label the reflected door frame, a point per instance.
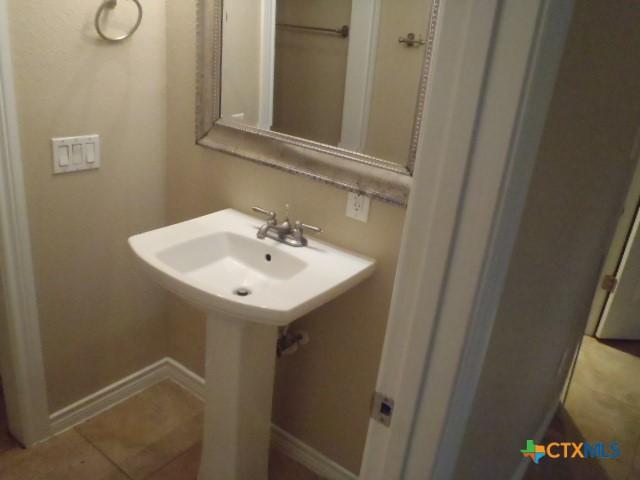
(267, 66)
(361, 58)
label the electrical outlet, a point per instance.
(358, 207)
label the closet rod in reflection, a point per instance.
(342, 31)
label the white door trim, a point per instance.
(267, 63)
(494, 70)
(20, 346)
(361, 61)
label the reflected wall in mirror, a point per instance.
(345, 73)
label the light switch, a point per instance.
(89, 153)
(76, 154)
(62, 153)
(73, 154)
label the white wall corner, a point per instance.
(20, 347)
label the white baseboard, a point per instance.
(108, 397)
(168, 368)
(539, 435)
(184, 377)
(307, 456)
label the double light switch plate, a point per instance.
(73, 154)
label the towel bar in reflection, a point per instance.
(342, 31)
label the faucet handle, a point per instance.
(298, 233)
(301, 227)
(271, 215)
(304, 226)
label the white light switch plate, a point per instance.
(358, 207)
(74, 154)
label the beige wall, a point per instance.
(310, 62)
(396, 79)
(100, 318)
(322, 394)
(578, 187)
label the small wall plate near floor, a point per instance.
(73, 154)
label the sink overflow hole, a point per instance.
(268, 257)
(242, 291)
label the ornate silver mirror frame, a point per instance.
(381, 179)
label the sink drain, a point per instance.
(242, 292)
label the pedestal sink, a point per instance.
(249, 288)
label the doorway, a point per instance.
(601, 403)
(613, 311)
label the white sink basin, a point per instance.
(206, 260)
(248, 287)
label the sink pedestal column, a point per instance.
(240, 371)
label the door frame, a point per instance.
(267, 62)
(21, 361)
(495, 65)
(361, 62)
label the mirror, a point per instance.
(313, 86)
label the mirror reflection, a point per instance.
(340, 72)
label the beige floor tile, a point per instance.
(174, 400)
(185, 467)
(65, 457)
(282, 467)
(152, 436)
(148, 431)
(635, 469)
(602, 418)
(592, 417)
(563, 428)
(571, 470)
(603, 405)
(610, 370)
(6, 440)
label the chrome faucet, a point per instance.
(286, 232)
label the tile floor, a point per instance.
(603, 405)
(154, 435)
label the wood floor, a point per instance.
(603, 405)
(154, 435)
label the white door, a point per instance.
(621, 315)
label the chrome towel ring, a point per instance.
(111, 4)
